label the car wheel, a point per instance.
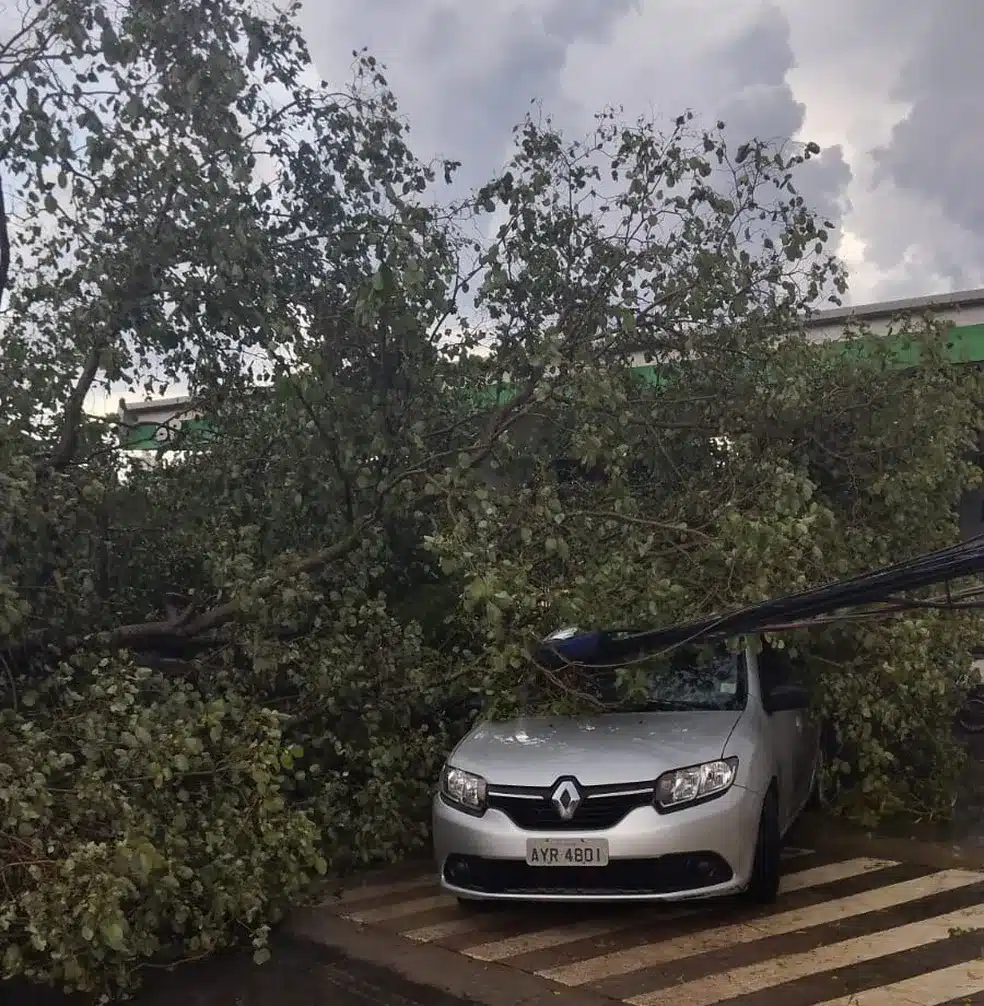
(763, 886)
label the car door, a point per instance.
(789, 728)
(807, 736)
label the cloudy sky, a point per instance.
(893, 90)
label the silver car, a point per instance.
(686, 795)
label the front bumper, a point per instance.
(702, 851)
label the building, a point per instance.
(152, 426)
(964, 311)
(156, 425)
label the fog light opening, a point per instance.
(457, 870)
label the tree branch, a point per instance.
(69, 440)
(68, 443)
(182, 627)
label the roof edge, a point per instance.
(889, 308)
(136, 408)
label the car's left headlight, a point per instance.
(467, 791)
(697, 782)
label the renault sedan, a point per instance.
(685, 793)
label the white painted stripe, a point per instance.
(832, 872)
(929, 989)
(792, 882)
(554, 938)
(366, 891)
(846, 953)
(441, 930)
(791, 852)
(402, 909)
(557, 936)
(621, 962)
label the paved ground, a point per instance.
(889, 922)
(849, 930)
(300, 973)
(880, 923)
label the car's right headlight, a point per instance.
(465, 790)
(684, 786)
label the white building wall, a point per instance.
(834, 329)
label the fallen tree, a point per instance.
(227, 672)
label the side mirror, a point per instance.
(785, 698)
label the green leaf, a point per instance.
(112, 934)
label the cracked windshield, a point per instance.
(692, 677)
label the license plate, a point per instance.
(566, 852)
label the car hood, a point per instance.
(597, 750)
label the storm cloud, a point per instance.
(888, 88)
(465, 74)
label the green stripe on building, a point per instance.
(965, 344)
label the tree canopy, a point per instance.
(431, 440)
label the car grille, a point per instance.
(670, 874)
(531, 809)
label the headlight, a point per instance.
(686, 785)
(464, 789)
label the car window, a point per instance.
(693, 677)
(776, 668)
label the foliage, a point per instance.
(234, 669)
(142, 818)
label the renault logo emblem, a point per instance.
(565, 800)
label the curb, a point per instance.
(490, 984)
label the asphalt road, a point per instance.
(299, 974)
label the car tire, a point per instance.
(763, 885)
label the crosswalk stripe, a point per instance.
(393, 906)
(557, 950)
(545, 939)
(556, 936)
(401, 909)
(441, 930)
(791, 852)
(364, 893)
(622, 962)
(767, 974)
(933, 988)
(832, 872)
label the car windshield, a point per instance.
(695, 677)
